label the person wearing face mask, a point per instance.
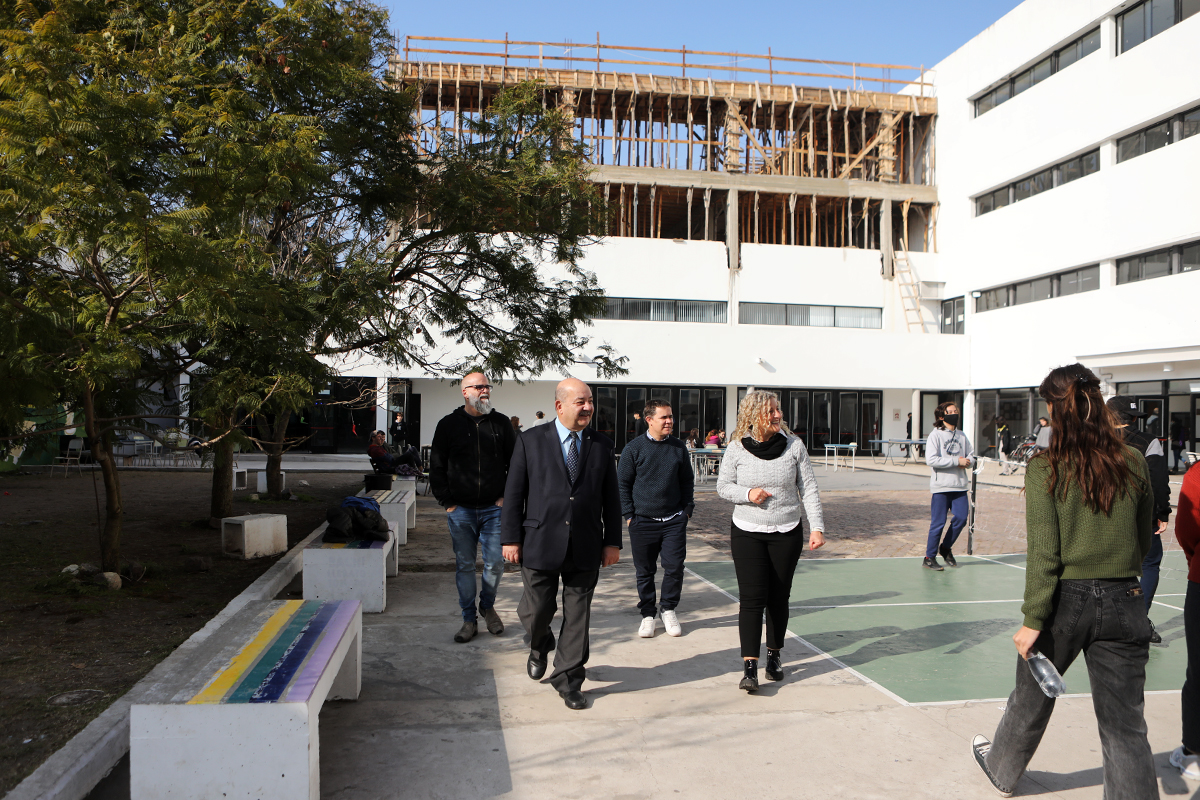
(948, 454)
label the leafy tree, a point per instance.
(234, 190)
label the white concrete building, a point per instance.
(1035, 191)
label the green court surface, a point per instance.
(930, 637)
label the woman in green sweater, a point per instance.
(1088, 509)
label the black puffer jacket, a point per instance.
(468, 463)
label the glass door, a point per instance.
(822, 420)
(848, 418)
(714, 414)
(872, 419)
(635, 402)
(687, 416)
(797, 414)
(1153, 423)
(605, 419)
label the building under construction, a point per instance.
(783, 191)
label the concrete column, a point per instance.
(1108, 154)
(885, 241)
(1108, 37)
(730, 409)
(731, 231)
(968, 417)
(918, 425)
(1108, 274)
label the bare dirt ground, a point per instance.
(58, 635)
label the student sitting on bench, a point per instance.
(407, 463)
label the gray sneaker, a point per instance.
(467, 632)
(494, 624)
(980, 746)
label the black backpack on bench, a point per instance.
(357, 518)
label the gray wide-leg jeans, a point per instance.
(1106, 621)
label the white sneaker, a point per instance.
(1188, 766)
(646, 629)
(671, 623)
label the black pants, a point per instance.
(648, 540)
(539, 602)
(1106, 621)
(1191, 687)
(764, 563)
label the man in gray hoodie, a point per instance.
(948, 454)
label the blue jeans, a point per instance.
(1150, 566)
(943, 502)
(474, 529)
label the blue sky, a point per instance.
(914, 32)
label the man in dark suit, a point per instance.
(561, 520)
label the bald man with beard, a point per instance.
(561, 521)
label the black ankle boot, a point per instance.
(749, 675)
(774, 668)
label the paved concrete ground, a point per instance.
(442, 720)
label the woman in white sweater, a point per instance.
(767, 475)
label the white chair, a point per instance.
(74, 451)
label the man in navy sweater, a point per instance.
(655, 481)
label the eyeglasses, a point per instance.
(483, 387)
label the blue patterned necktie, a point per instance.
(573, 457)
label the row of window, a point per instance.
(953, 316)
(1058, 60)
(1150, 18)
(651, 310)
(637, 308)
(811, 316)
(1161, 134)
(1085, 279)
(1069, 170)
(1170, 261)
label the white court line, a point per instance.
(1154, 602)
(865, 558)
(814, 648)
(1005, 699)
(890, 605)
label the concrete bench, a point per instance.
(254, 535)
(398, 504)
(245, 726)
(355, 570)
(240, 481)
(262, 481)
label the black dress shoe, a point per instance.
(535, 668)
(573, 699)
(749, 680)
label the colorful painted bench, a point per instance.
(398, 504)
(356, 570)
(245, 726)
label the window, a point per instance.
(1149, 19)
(1190, 259)
(1065, 172)
(1082, 280)
(1075, 281)
(952, 315)
(1034, 184)
(1190, 124)
(650, 310)
(1159, 263)
(1058, 60)
(809, 316)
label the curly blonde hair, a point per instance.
(752, 415)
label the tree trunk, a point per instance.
(110, 537)
(221, 503)
(275, 456)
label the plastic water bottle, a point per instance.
(1045, 674)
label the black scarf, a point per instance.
(769, 450)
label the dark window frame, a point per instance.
(953, 322)
(1176, 128)
(1051, 178)
(1027, 78)
(801, 312)
(617, 305)
(1143, 15)
(1134, 268)
(1034, 290)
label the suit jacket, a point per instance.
(543, 511)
